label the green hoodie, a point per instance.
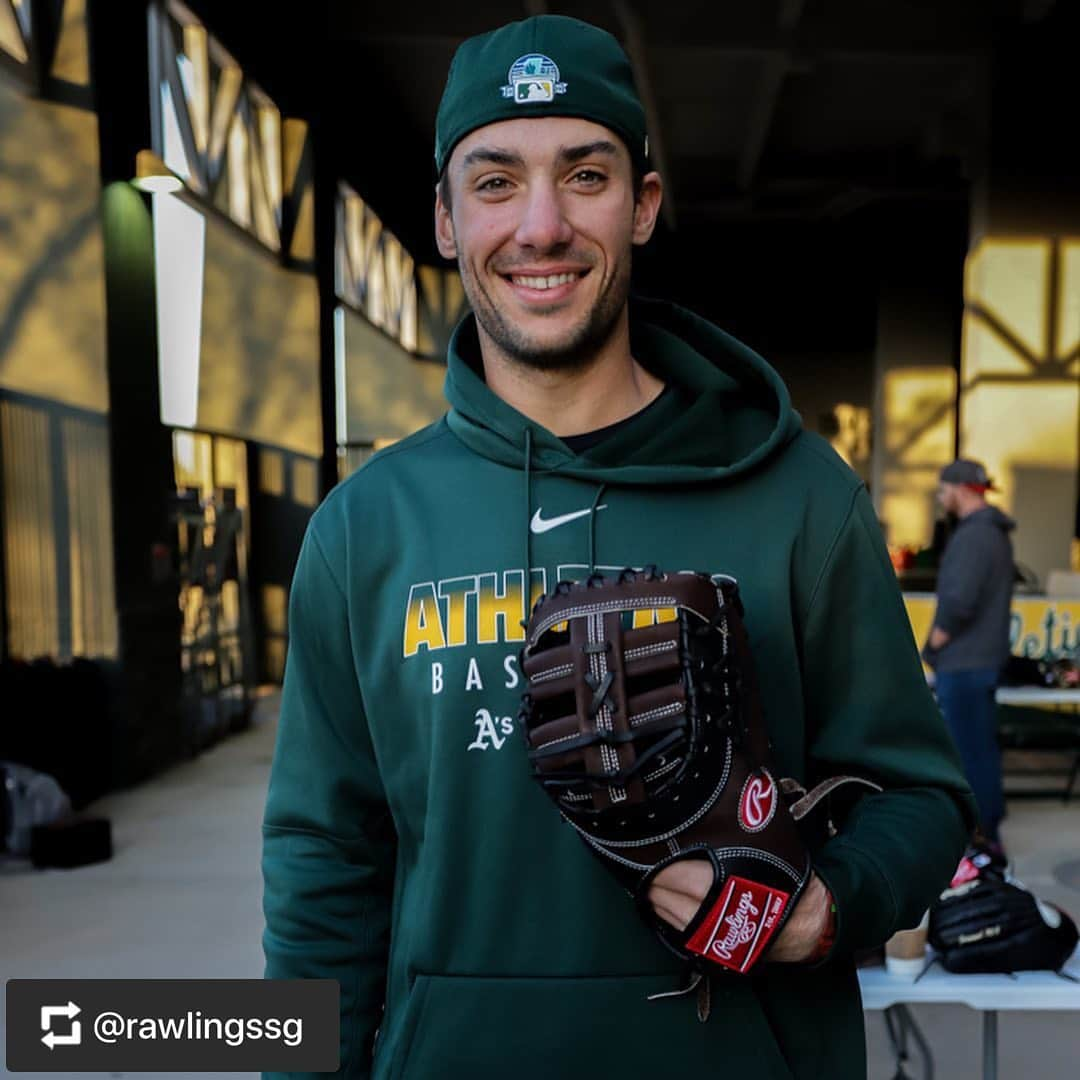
(407, 852)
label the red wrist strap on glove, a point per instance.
(828, 936)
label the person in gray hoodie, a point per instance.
(969, 638)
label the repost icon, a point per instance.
(182, 1026)
(50, 1038)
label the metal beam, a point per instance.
(1037, 10)
(630, 23)
(790, 14)
(771, 84)
(773, 77)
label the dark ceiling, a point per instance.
(798, 139)
(758, 108)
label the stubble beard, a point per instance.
(578, 347)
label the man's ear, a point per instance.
(647, 207)
(444, 228)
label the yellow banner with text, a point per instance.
(1041, 627)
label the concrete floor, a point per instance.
(181, 899)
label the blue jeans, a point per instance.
(967, 702)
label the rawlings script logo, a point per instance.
(739, 925)
(758, 802)
(740, 928)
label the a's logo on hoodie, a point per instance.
(491, 731)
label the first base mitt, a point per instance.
(986, 921)
(650, 741)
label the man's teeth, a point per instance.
(548, 282)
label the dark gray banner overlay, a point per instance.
(172, 1025)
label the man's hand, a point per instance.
(806, 927)
(678, 890)
(938, 638)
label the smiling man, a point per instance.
(407, 853)
(544, 220)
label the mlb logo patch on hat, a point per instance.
(600, 88)
(533, 78)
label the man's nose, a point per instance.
(543, 224)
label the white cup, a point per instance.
(905, 951)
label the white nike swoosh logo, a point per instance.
(539, 525)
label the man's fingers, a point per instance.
(692, 877)
(673, 907)
(677, 891)
(668, 916)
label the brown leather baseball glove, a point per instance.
(650, 740)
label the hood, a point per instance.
(732, 414)
(989, 516)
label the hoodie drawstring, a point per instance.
(528, 525)
(592, 528)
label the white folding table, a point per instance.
(1037, 695)
(990, 994)
(1060, 700)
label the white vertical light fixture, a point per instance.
(179, 253)
(341, 405)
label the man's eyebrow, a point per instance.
(571, 154)
(492, 155)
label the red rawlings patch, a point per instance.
(757, 804)
(740, 924)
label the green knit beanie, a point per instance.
(548, 65)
